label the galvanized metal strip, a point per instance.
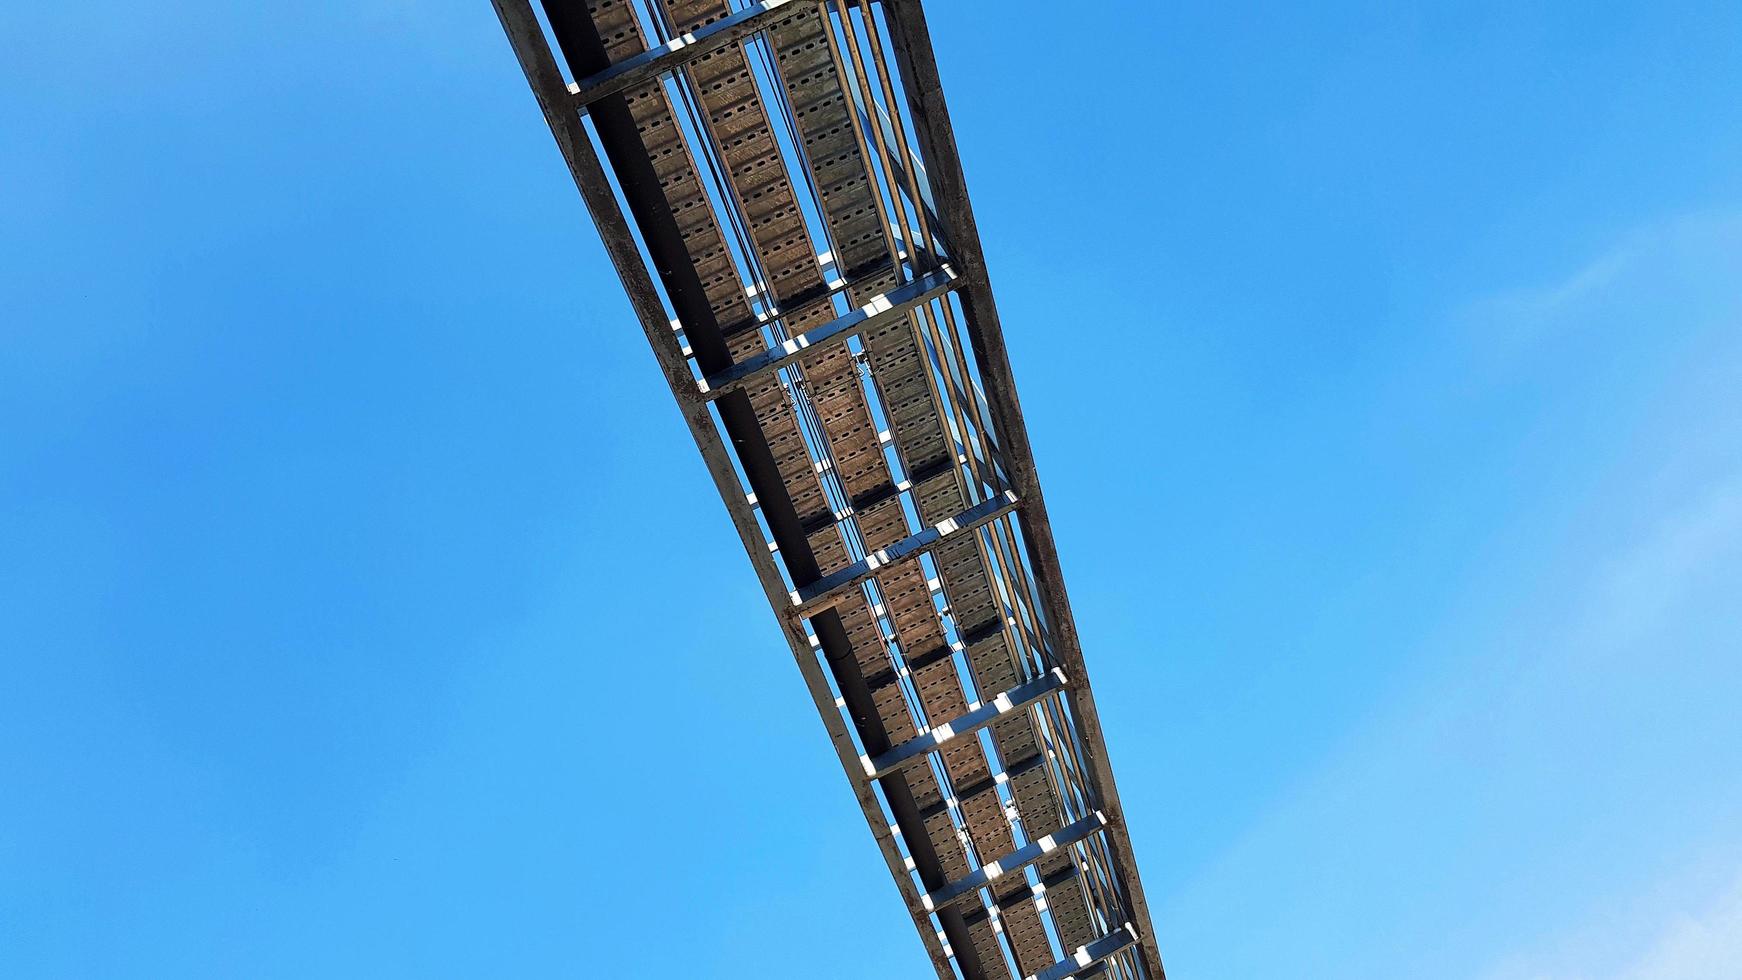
(1016, 860)
(545, 79)
(1111, 944)
(881, 308)
(920, 80)
(829, 589)
(679, 51)
(1013, 700)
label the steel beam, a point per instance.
(825, 592)
(1111, 944)
(546, 80)
(936, 135)
(1015, 699)
(987, 784)
(677, 52)
(599, 95)
(1024, 892)
(1016, 860)
(881, 309)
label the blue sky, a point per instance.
(1384, 365)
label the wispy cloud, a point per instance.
(1684, 929)
(1641, 585)
(1556, 745)
(1707, 946)
(1537, 304)
(1692, 260)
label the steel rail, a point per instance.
(1016, 860)
(924, 88)
(940, 735)
(970, 418)
(545, 78)
(880, 309)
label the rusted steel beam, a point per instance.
(924, 90)
(546, 80)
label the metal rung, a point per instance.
(828, 590)
(1016, 860)
(985, 784)
(876, 495)
(1114, 942)
(897, 302)
(679, 51)
(1015, 699)
(1023, 892)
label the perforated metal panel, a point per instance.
(779, 172)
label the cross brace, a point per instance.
(825, 592)
(1016, 860)
(1015, 699)
(677, 52)
(881, 309)
(1114, 942)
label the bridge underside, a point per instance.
(778, 186)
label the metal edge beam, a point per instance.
(879, 310)
(643, 192)
(825, 592)
(676, 53)
(924, 91)
(545, 78)
(1015, 699)
(1016, 860)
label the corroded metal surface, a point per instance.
(775, 179)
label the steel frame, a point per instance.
(542, 73)
(920, 746)
(676, 53)
(717, 412)
(883, 307)
(1088, 955)
(825, 591)
(1016, 860)
(924, 88)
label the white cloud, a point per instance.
(1513, 805)
(1681, 268)
(1685, 545)
(1700, 947)
(1684, 929)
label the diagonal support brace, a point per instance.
(881, 309)
(1015, 699)
(825, 592)
(1016, 860)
